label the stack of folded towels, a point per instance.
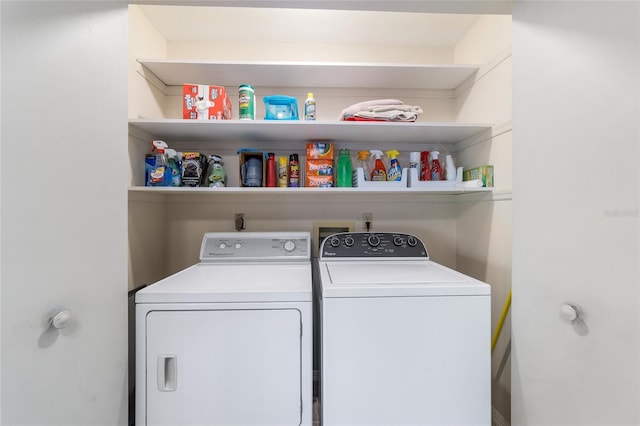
(381, 110)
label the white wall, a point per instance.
(576, 235)
(483, 227)
(63, 212)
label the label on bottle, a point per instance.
(378, 175)
(282, 172)
(310, 111)
(294, 171)
(246, 101)
(157, 176)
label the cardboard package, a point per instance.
(203, 102)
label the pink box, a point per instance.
(203, 102)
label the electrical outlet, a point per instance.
(239, 221)
(367, 221)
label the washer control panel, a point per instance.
(372, 244)
(258, 246)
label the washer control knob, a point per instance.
(373, 240)
(412, 241)
(569, 312)
(289, 246)
(223, 246)
(398, 240)
(348, 241)
(238, 245)
(334, 241)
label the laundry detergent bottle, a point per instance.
(379, 172)
(160, 174)
(436, 168)
(345, 169)
(395, 171)
(175, 167)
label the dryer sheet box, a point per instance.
(319, 165)
(204, 102)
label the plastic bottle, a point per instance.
(436, 169)
(414, 161)
(294, 171)
(395, 171)
(449, 168)
(363, 162)
(425, 168)
(160, 174)
(379, 172)
(271, 170)
(310, 107)
(282, 172)
(216, 175)
(345, 170)
(174, 162)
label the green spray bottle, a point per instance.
(216, 175)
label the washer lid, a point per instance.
(397, 278)
(239, 282)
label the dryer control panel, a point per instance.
(255, 246)
(372, 244)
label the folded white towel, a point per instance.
(407, 108)
(363, 106)
(391, 115)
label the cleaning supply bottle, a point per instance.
(363, 162)
(160, 174)
(379, 172)
(345, 170)
(414, 160)
(449, 168)
(395, 171)
(271, 170)
(216, 176)
(425, 168)
(282, 172)
(436, 169)
(310, 107)
(175, 167)
(294, 171)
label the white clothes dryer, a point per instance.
(404, 340)
(228, 341)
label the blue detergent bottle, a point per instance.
(160, 173)
(395, 171)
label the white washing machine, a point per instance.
(228, 341)
(404, 340)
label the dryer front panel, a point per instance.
(224, 367)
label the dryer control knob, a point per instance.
(373, 240)
(334, 241)
(289, 245)
(412, 241)
(398, 241)
(349, 241)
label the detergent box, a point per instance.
(203, 102)
(320, 151)
(484, 173)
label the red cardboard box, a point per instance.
(203, 102)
